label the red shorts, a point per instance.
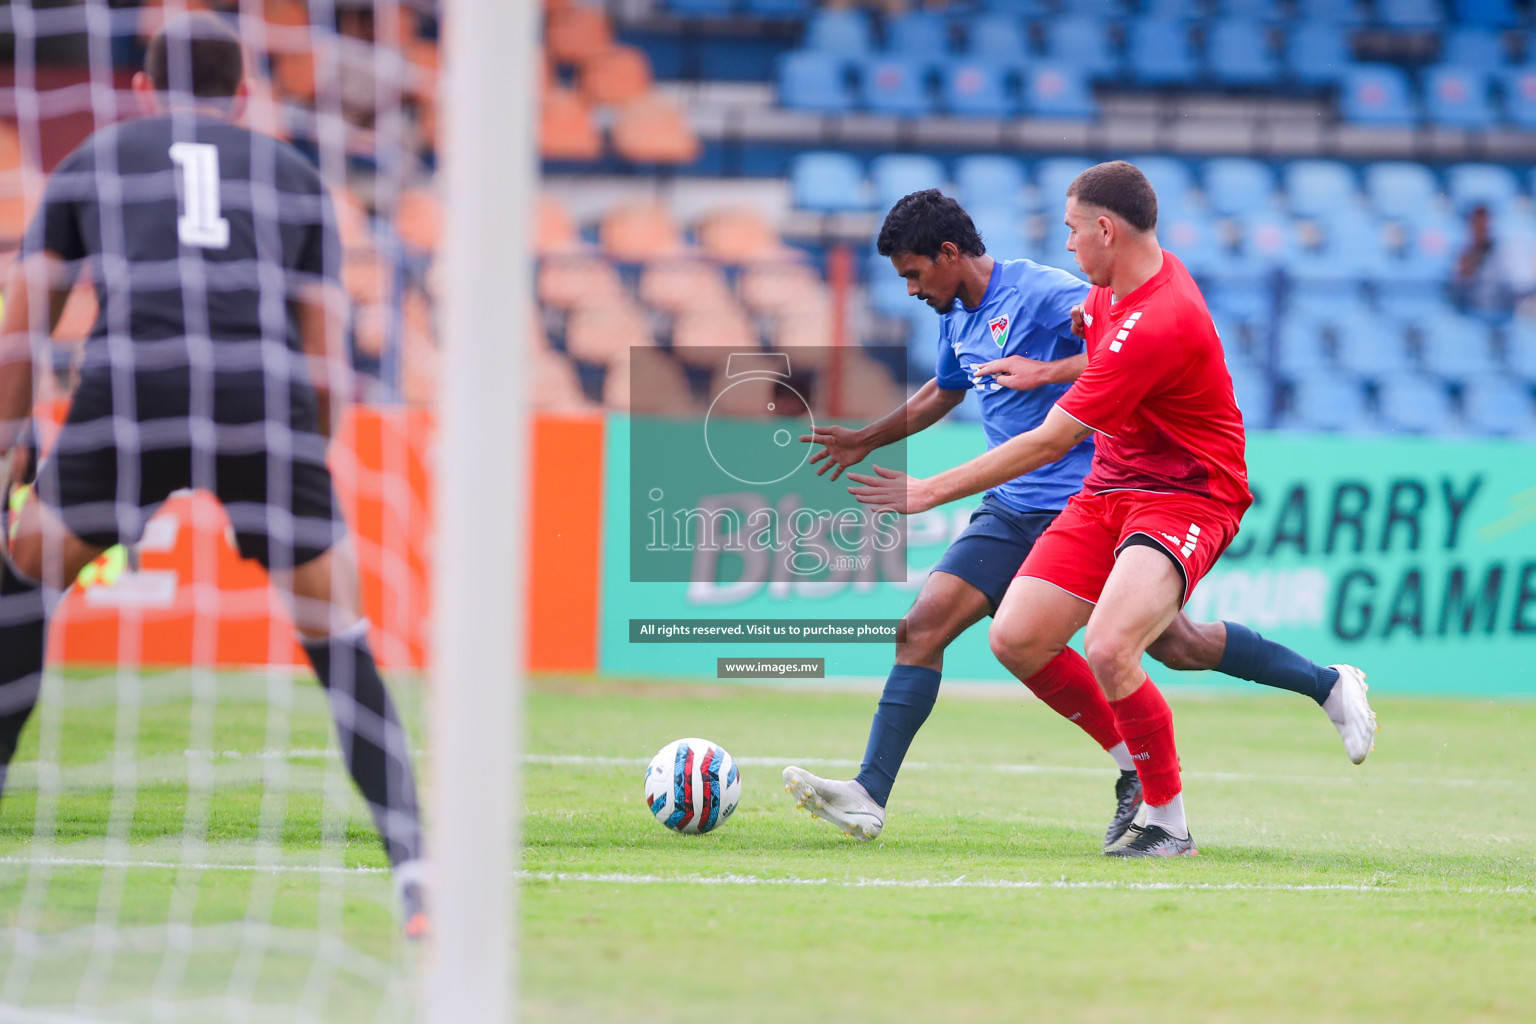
(1079, 550)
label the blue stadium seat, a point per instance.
(1438, 239)
(1174, 10)
(1159, 52)
(1052, 176)
(894, 85)
(828, 182)
(1189, 235)
(1411, 401)
(1259, 10)
(978, 88)
(1237, 52)
(1520, 349)
(1495, 404)
(989, 180)
(1419, 14)
(1324, 401)
(887, 292)
(1002, 230)
(1171, 178)
(780, 8)
(997, 37)
(1317, 53)
(1255, 395)
(1520, 96)
(812, 80)
(1492, 13)
(1302, 346)
(1454, 346)
(1472, 46)
(1368, 344)
(893, 175)
(1106, 10)
(1401, 189)
(1269, 239)
(1317, 188)
(918, 32)
(1238, 289)
(1331, 12)
(1052, 90)
(842, 30)
(1459, 97)
(701, 8)
(1489, 184)
(1377, 94)
(1081, 43)
(1236, 185)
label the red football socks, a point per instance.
(1147, 725)
(1067, 687)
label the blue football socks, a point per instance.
(1249, 656)
(910, 691)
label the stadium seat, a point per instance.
(1368, 344)
(1400, 189)
(1002, 231)
(1458, 97)
(1235, 185)
(1171, 179)
(1052, 177)
(1492, 13)
(1495, 404)
(1324, 401)
(1302, 346)
(1174, 10)
(740, 235)
(664, 391)
(566, 129)
(1255, 395)
(1189, 235)
(1052, 90)
(698, 335)
(1237, 52)
(419, 219)
(638, 232)
(998, 37)
(566, 282)
(1317, 188)
(771, 288)
(840, 30)
(780, 8)
(1082, 44)
(1410, 14)
(554, 230)
(1470, 46)
(977, 88)
(599, 334)
(702, 8)
(1160, 52)
(1520, 349)
(652, 130)
(828, 182)
(1377, 94)
(1317, 53)
(812, 80)
(893, 175)
(894, 85)
(1413, 402)
(1454, 346)
(918, 33)
(556, 386)
(1330, 12)
(887, 293)
(679, 285)
(989, 180)
(1520, 96)
(1487, 184)
(1257, 10)
(1105, 10)
(1269, 238)
(616, 75)
(575, 33)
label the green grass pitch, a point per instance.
(1401, 890)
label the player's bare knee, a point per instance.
(1111, 655)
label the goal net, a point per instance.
(183, 836)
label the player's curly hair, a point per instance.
(195, 54)
(923, 221)
(1120, 188)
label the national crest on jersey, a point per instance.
(998, 325)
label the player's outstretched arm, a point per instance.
(1024, 374)
(844, 447)
(897, 492)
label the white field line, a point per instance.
(961, 882)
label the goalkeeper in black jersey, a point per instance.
(215, 259)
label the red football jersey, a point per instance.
(1158, 392)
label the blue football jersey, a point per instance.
(1025, 312)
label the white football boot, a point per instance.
(1350, 712)
(845, 804)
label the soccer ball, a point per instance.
(692, 785)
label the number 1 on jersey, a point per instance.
(200, 223)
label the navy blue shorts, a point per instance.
(988, 553)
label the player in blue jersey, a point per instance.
(1006, 332)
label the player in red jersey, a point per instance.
(1162, 501)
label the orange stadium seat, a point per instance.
(566, 129)
(351, 220)
(10, 147)
(639, 232)
(600, 334)
(617, 75)
(665, 390)
(652, 130)
(675, 286)
(425, 62)
(767, 288)
(556, 387)
(365, 277)
(566, 282)
(806, 334)
(419, 219)
(699, 335)
(287, 24)
(740, 235)
(554, 231)
(294, 76)
(866, 389)
(748, 397)
(574, 33)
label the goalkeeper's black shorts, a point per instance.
(114, 463)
